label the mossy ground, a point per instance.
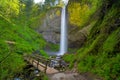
(15, 40)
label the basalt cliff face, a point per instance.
(50, 29)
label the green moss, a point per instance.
(100, 54)
(52, 47)
(14, 41)
(69, 58)
(43, 53)
(111, 41)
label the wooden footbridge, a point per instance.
(41, 63)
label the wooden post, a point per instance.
(32, 61)
(37, 64)
(46, 66)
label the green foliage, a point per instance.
(107, 67)
(10, 62)
(88, 62)
(9, 8)
(43, 53)
(53, 47)
(35, 19)
(99, 55)
(58, 13)
(92, 58)
(111, 41)
(69, 58)
(80, 12)
(45, 77)
(16, 40)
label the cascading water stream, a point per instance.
(63, 38)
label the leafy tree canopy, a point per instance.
(9, 7)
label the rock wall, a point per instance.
(50, 29)
(77, 37)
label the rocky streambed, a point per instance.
(29, 73)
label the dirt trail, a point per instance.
(66, 76)
(70, 75)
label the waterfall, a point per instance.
(63, 37)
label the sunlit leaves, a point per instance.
(58, 13)
(9, 7)
(80, 12)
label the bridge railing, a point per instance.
(57, 64)
(35, 58)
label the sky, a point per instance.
(37, 1)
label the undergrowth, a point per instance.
(16, 40)
(101, 53)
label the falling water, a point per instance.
(63, 41)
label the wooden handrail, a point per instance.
(38, 59)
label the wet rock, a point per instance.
(17, 79)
